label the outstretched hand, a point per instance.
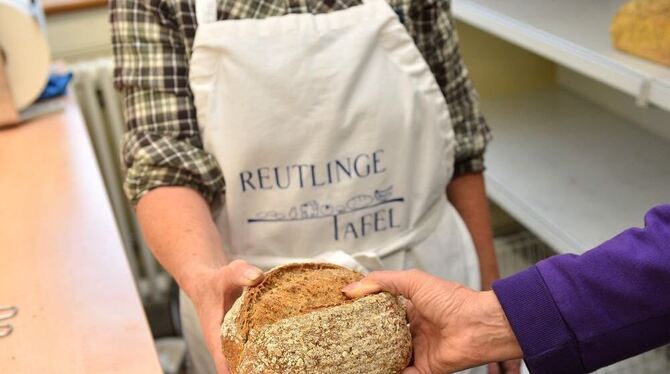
(453, 327)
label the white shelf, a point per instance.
(573, 33)
(572, 172)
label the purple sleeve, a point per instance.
(574, 314)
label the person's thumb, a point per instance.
(403, 283)
(241, 273)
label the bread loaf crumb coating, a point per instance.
(298, 321)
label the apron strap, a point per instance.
(205, 11)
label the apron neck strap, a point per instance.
(205, 11)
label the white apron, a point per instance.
(334, 140)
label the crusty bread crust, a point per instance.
(298, 321)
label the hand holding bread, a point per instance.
(217, 292)
(324, 318)
(453, 327)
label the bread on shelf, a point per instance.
(298, 321)
(642, 28)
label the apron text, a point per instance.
(380, 220)
(312, 175)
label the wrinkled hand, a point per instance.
(216, 292)
(505, 367)
(453, 327)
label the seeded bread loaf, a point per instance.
(642, 27)
(298, 321)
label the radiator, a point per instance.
(101, 107)
(517, 251)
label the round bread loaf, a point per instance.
(642, 27)
(298, 321)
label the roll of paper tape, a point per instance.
(25, 50)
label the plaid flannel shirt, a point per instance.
(152, 42)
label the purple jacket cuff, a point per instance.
(549, 346)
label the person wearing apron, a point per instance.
(335, 142)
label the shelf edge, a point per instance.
(559, 241)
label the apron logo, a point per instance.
(381, 219)
(351, 219)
